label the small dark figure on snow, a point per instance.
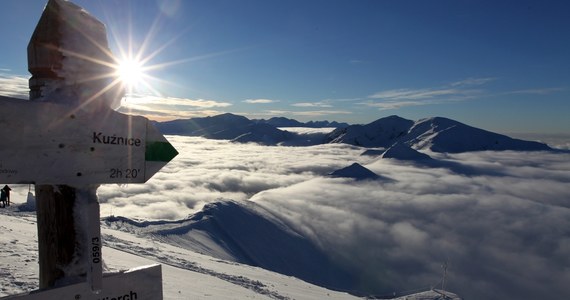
(5, 196)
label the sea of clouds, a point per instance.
(504, 232)
(501, 220)
(209, 170)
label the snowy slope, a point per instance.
(446, 135)
(186, 274)
(246, 233)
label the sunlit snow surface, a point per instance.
(186, 274)
(500, 219)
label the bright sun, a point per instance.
(130, 72)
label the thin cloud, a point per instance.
(168, 108)
(388, 105)
(276, 112)
(172, 101)
(417, 94)
(309, 113)
(260, 101)
(313, 104)
(166, 115)
(473, 81)
(399, 98)
(14, 85)
(539, 91)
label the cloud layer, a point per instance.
(504, 236)
(500, 219)
(208, 170)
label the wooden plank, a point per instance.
(143, 283)
(49, 143)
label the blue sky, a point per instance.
(498, 65)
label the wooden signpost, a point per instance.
(48, 143)
(67, 140)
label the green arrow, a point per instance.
(159, 151)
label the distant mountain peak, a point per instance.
(381, 133)
(402, 151)
(441, 134)
(226, 126)
(286, 122)
(355, 171)
(437, 134)
(229, 116)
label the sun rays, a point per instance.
(118, 65)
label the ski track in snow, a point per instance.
(134, 248)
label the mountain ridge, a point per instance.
(437, 134)
(287, 122)
(247, 233)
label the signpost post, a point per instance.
(67, 140)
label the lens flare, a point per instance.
(131, 72)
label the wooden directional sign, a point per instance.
(48, 143)
(143, 283)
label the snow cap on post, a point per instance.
(70, 61)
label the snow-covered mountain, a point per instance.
(246, 233)
(286, 122)
(280, 122)
(226, 127)
(243, 130)
(445, 135)
(402, 151)
(381, 133)
(326, 123)
(355, 171)
(436, 134)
